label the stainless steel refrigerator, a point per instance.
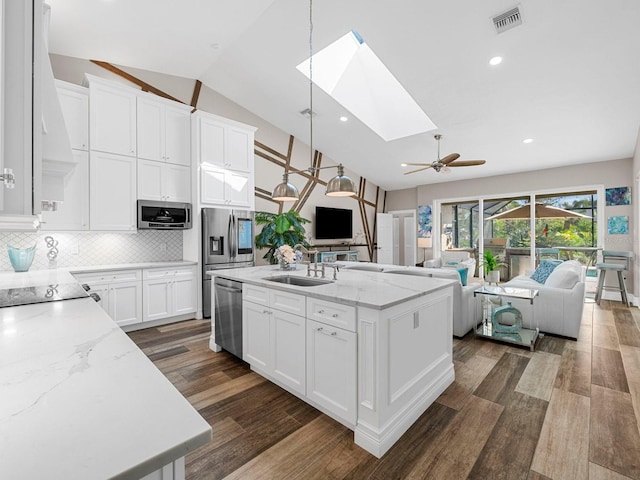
(227, 242)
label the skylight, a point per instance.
(351, 73)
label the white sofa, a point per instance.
(453, 257)
(466, 308)
(558, 307)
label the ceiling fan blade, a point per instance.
(467, 163)
(450, 158)
(423, 164)
(418, 170)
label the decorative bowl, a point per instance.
(21, 258)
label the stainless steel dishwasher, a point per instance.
(228, 315)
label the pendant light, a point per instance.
(338, 186)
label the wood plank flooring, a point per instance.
(570, 410)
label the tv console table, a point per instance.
(336, 255)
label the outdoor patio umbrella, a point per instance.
(542, 211)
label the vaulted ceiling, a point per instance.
(570, 76)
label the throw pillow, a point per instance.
(565, 276)
(544, 270)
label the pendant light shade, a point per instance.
(285, 191)
(341, 185)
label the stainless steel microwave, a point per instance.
(154, 215)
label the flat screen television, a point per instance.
(333, 223)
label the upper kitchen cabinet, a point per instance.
(74, 101)
(224, 159)
(223, 143)
(164, 130)
(112, 117)
(112, 192)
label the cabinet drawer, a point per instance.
(154, 273)
(287, 302)
(109, 276)
(255, 294)
(336, 314)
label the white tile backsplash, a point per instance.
(91, 248)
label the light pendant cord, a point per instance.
(311, 84)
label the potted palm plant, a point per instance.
(491, 264)
(279, 229)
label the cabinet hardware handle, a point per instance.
(333, 334)
(320, 312)
(335, 315)
(320, 329)
(265, 311)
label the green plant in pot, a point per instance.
(279, 229)
(491, 264)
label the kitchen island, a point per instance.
(372, 350)
(79, 398)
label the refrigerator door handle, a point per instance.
(230, 236)
(234, 233)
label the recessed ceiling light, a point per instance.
(403, 165)
(495, 61)
(343, 118)
(527, 140)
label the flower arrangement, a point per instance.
(287, 256)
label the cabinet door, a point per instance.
(73, 213)
(331, 369)
(212, 186)
(150, 175)
(112, 124)
(185, 292)
(125, 302)
(75, 110)
(288, 350)
(110, 174)
(157, 299)
(176, 183)
(212, 143)
(177, 135)
(239, 149)
(237, 189)
(150, 128)
(256, 336)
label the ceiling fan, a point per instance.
(443, 164)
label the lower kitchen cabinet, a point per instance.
(273, 339)
(331, 369)
(120, 293)
(169, 292)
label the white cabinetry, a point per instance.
(112, 189)
(224, 154)
(74, 101)
(169, 292)
(273, 325)
(225, 187)
(164, 130)
(163, 181)
(73, 213)
(112, 117)
(120, 293)
(331, 357)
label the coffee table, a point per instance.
(525, 337)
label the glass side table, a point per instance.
(525, 337)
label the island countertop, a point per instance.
(80, 400)
(353, 287)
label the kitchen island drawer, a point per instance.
(331, 313)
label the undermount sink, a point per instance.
(299, 281)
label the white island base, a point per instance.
(374, 357)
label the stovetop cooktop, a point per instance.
(12, 297)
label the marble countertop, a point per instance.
(79, 399)
(354, 287)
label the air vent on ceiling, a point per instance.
(306, 113)
(507, 20)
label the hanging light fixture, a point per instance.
(338, 186)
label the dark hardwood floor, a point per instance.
(571, 410)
